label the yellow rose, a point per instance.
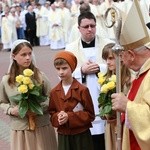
(23, 89)
(113, 78)
(19, 78)
(104, 88)
(28, 72)
(101, 80)
(26, 80)
(100, 74)
(111, 85)
(31, 85)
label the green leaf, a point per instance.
(102, 112)
(107, 109)
(35, 92)
(25, 96)
(102, 99)
(23, 108)
(41, 98)
(16, 98)
(35, 107)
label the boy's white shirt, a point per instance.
(66, 88)
(79, 106)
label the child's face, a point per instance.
(23, 57)
(64, 71)
(111, 62)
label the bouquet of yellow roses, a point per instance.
(29, 98)
(108, 87)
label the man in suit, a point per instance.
(30, 20)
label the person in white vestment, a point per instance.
(42, 25)
(56, 33)
(9, 33)
(47, 5)
(74, 11)
(66, 20)
(88, 50)
(95, 9)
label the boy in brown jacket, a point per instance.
(71, 106)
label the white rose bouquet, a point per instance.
(29, 98)
(108, 86)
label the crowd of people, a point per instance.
(72, 106)
(44, 23)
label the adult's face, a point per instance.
(87, 29)
(30, 8)
(129, 59)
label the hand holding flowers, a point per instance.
(108, 87)
(29, 98)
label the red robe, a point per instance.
(135, 86)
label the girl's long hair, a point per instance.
(125, 72)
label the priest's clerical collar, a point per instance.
(88, 44)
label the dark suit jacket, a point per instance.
(30, 20)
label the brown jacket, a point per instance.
(78, 121)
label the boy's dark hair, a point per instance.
(85, 15)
